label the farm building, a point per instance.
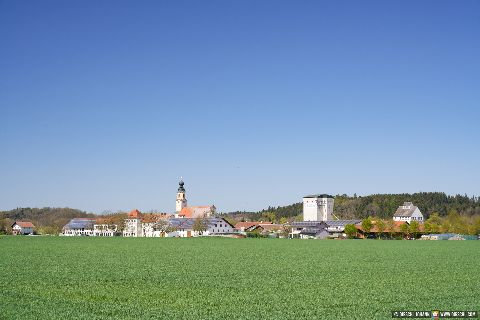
(263, 227)
(394, 230)
(308, 230)
(408, 213)
(319, 229)
(22, 227)
(89, 227)
(185, 227)
(79, 227)
(245, 226)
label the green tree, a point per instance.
(405, 230)
(433, 224)
(453, 222)
(200, 225)
(5, 226)
(283, 220)
(414, 228)
(367, 225)
(350, 230)
(381, 226)
(164, 227)
(270, 216)
(476, 225)
(391, 227)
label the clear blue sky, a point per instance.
(105, 104)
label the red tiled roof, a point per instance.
(186, 212)
(25, 224)
(134, 214)
(195, 211)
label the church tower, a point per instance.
(181, 199)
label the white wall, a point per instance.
(181, 201)
(220, 228)
(104, 230)
(310, 209)
(20, 230)
(416, 216)
(77, 232)
(318, 209)
(133, 228)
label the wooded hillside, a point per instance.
(46, 220)
(377, 205)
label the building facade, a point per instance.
(79, 227)
(318, 207)
(408, 213)
(187, 227)
(104, 230)
(133, 224)
(22, 227)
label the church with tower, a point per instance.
(184, 211)
(182, 224)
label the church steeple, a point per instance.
(181, 201)
(181, 188)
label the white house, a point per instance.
(318, 207)
(133, 224)
(408, 212)
(22, 227)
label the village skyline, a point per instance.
(253, 104)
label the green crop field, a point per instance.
(211, 278)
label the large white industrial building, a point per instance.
(318, 207)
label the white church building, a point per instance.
(182, 225)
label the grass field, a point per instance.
(209, 278)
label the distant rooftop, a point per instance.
(324, 195)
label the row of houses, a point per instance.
(150, 225)
(319, 222)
